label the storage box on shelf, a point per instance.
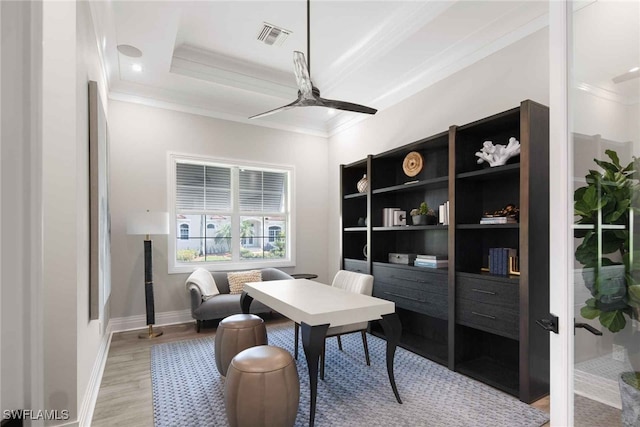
(479, 324)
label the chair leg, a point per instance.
(297, 334)
(322, 360)
(339, 343)
(198, 322)
(366, 347)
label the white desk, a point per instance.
(315, 307)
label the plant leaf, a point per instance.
(612, 320)
(634, 295)
(614, 158)
(589, 312)
(608, 167)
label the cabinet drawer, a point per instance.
(413, 278)
(499, 293)
(488, 317)
(431, 304)
(356, 265)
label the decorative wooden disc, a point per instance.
(412, 164)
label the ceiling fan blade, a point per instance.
(277, 110)
(302, 74)
(347, 106)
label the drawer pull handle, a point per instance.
(482, 291)
(484, 315)
(409, 279)
(405, 297)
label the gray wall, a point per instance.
(142, 136)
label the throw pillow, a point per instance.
(239, 278)
(204, 280)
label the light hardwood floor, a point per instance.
(125, 397)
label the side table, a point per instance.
(304, 276)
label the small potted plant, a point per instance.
(423, 215)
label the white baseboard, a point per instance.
(121, 324)
(91, 395)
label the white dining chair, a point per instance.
(352, 282)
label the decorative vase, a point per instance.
(363, 184)
(419, 219)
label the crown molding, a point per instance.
(207, 112)
(606, 94)
(201, 64)
(396, 28)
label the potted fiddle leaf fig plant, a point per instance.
(423, 215)
(605, 208)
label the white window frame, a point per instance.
(176, 267)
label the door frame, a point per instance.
(561, 299)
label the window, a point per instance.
(274, 233)
(229, 215)
(184, 231)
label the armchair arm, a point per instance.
(196, 297)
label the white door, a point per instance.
(595, 92)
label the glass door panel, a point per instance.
(604, 89)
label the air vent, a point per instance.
(271, 35)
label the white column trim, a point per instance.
(36, 284)
(1, 403)
(561, 301)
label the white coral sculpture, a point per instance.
(497, 155)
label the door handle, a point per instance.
(588, 327)
(550, 324)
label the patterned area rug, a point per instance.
(188, 390)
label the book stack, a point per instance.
(387, 216)
(443, 213)
(498, 220)
(499, 260)
(431, 261)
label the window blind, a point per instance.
(261, 191)
(202, 188)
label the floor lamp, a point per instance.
(148, 223)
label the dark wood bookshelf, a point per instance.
(471, 321)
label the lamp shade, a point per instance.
(148, 223)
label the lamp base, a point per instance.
(151, 334)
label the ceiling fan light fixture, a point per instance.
(308, 94)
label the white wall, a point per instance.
(494, 84)
(60, 205)
(14, 105)
(142, 136)
(90, 334)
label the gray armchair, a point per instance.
(226, 304)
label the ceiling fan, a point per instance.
(308, 94)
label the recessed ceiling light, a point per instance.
(331, 111)
(634, 69)
(128, 50)
(137, 68)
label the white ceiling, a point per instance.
(203, 56)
